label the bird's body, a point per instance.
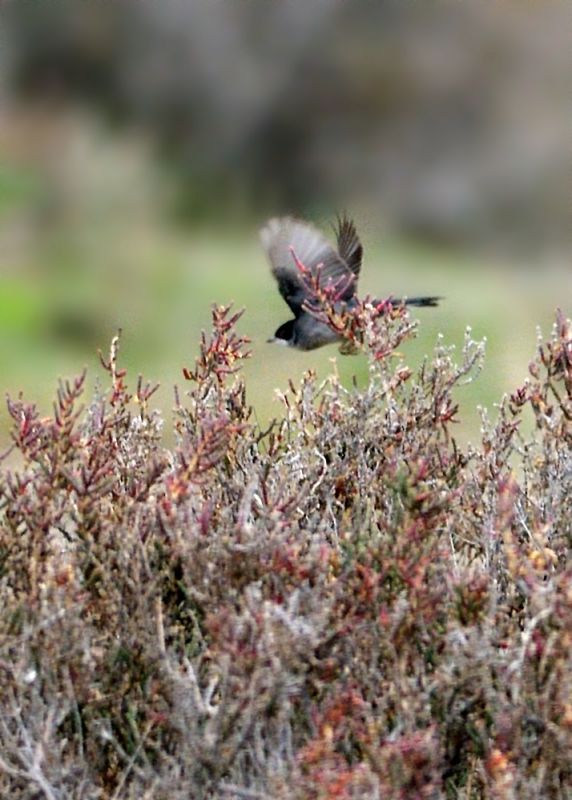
(285, 237)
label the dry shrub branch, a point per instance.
(347, 605)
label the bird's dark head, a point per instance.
(284, 334)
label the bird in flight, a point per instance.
(283, 238)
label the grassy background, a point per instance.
(67, 287)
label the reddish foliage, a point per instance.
(347, 605)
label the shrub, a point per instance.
(345, 605)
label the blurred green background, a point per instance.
(142, 145)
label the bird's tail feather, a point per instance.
(416, 301)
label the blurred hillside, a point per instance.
(448, 120)
(142, 144)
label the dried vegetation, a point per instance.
(347, 605)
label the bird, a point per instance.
(287, 240)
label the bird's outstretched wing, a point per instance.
(349, 245)
(282, 235)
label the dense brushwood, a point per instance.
(346, 605)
